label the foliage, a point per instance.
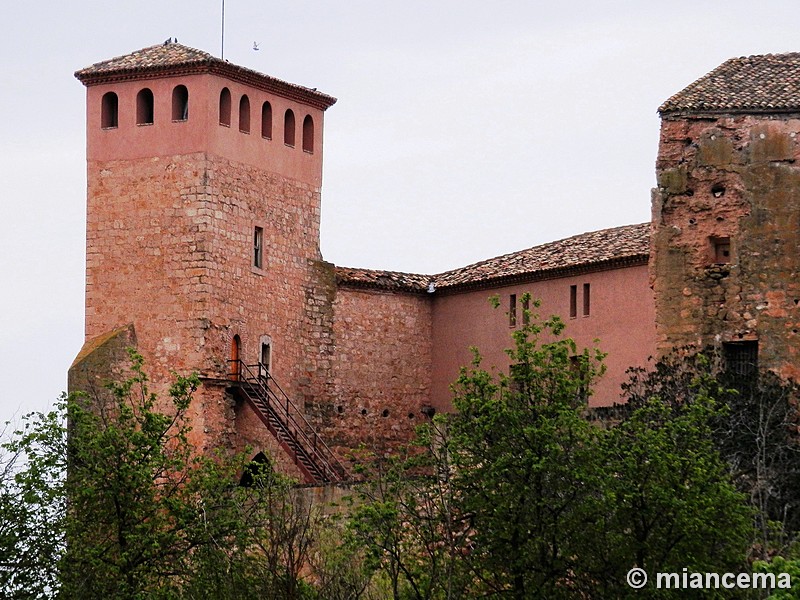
(405, 517)
(778, 565)
(667, 500)
(545, 504)
(120, 505)
(32, 506)
(526, 462)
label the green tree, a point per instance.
(32, 506)
(120, 505)
(667, 501)
(526, 462)
(406, 516)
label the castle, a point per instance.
(203, 216)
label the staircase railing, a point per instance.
(292, 427)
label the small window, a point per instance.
(225, 107)
(265, 364)
(266, 120)
(512, 310)
(144, 107)
(741, 358)
(308, 134)
(244, 114)
(180, 103)
(526, 310)
(258, 247)
(587, 301)
(722, 250)
(288, 128)
(109, 111)
(573, 301)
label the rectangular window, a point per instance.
(722, 250)
(573, 301)
(741, 358)
(586, 300)
(526, 310)
(512, 310)
(258, 247)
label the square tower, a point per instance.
(725, 259)
(203, 213)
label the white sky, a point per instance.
(464, 129)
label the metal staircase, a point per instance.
(295, 434)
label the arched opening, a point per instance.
(266, 120)
(288, 128)
(109, 111)
(180, 103)
(256, 470)
(244, 114)
(308, 134)
(236, 351)
(225, 107)
(144, 107)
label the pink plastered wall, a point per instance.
(621, 318)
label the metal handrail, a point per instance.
(297, 426)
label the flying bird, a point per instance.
(255, 46)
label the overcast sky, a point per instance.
(463, 130)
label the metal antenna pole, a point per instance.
(223, 30)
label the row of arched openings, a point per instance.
(145, 107)
(289, 124)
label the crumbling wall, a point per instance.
(728, 179)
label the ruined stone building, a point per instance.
(203, 216)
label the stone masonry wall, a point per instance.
(170, 249)
(733, 177)
(381, 368)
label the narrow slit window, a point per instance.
(244, 114)
(109, 111)
(573, 301)
(308, 134)
(587, 300)
(526, 310)
(512, 310)
(266, 120)
(258, 247)
(180, 103)
(144, 107)
(288, 128)
(225, 107)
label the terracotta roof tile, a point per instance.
(766, 83)
(580, 251)
(387, 280)
(629, 244)
(172, 58)
(159, 56)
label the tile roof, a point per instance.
(766, 83)
(608, 248)
(386, 280)
(172, 58)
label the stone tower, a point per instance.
(203, 214)
(725, 253)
